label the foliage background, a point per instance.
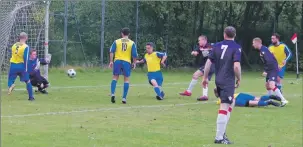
(174, 27)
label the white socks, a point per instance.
(269, 92)
(221, 124)
(278, 93)
(205, 91)
(192, 85)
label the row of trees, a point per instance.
(175, 26)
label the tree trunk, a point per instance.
(202, 13)
(245, 25)
(278, 11)
(223, 20)
(230, 14)
(302, 21)
(194, 31)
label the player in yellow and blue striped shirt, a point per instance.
(153, 61)
(122, 50)
(18, 65)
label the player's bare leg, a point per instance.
(277, 92)
(279, 83)
(157, 89)
(29, 88)
(204, 96)
(11, 84)
(113, 87)
(269, 91)
(11, 88)
(125, 89)
(192, 84)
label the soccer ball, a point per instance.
(71, 73)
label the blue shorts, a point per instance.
(272, 76)
(243, 99)
(122, 67)
(18, 70)
(156, 76)
(282, 72)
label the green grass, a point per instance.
(144, 121)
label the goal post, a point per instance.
(23, 16)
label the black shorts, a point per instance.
(211, 72)
(271, 76)
(226, 94)
(36, 82)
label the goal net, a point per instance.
(17, 17)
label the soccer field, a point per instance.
(78, 113)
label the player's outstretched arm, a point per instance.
(237, 70)
(140, 61)
(207, 68)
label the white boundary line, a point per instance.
(101, 109)
(99, 86)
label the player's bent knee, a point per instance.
(224, 106)
(154, 82)
(197, 74)
(115, 77)
(271, 84)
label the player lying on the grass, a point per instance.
(153, 61)
(247, 100)
(271, 68)
(18, 67)
(34, 71)
(203, 49)
(122, 50)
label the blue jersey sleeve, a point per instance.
(25, 57)
(134, 51)
(237, 55)
(113, 47)
(288, 53)
(160, 55)
(211, 55)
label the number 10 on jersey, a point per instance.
(124, 46)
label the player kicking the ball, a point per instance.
(153, 61)
(123, 50)
(271, 68)
(203, 49)
(18, 67)
(226, 55)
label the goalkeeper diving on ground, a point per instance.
(34, 71)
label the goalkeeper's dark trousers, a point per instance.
(37, 80)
